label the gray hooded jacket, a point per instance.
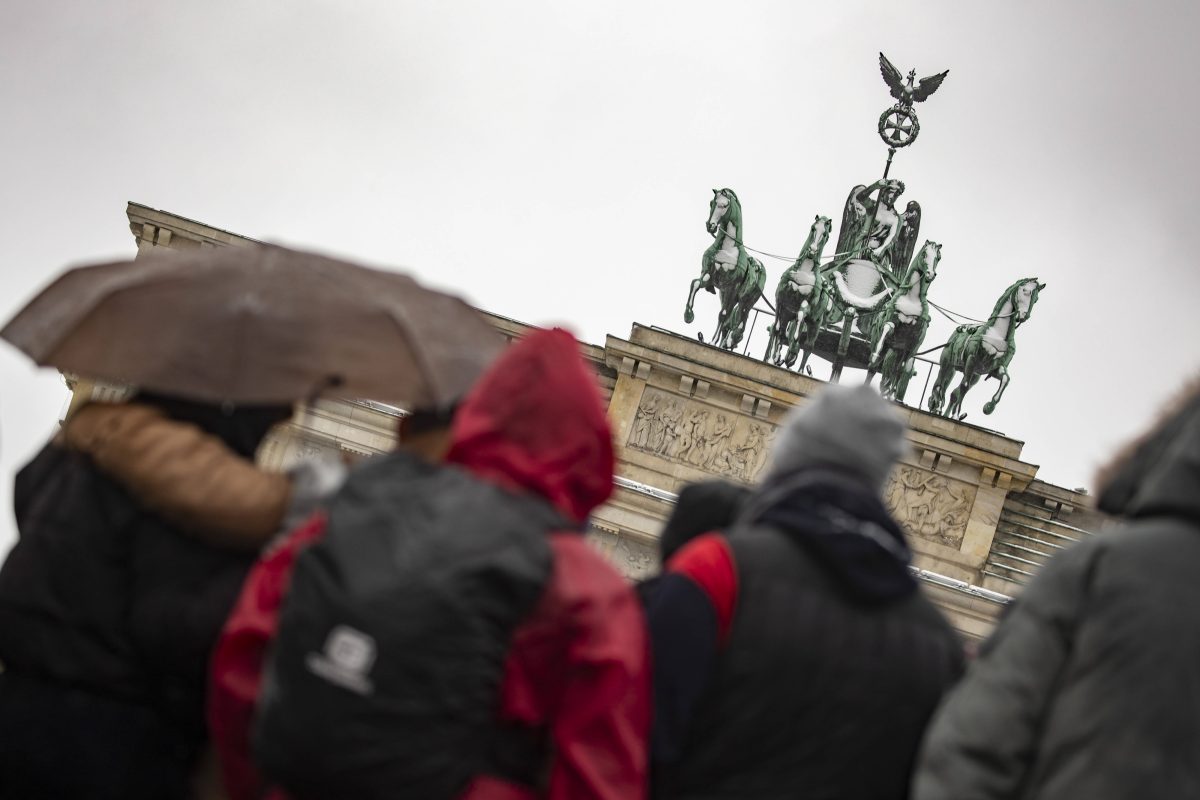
(1090, 686)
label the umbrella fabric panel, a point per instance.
(258, 325)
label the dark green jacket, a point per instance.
(1090, 686)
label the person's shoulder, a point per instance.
(59, 481)
(1148, 533)
(708, 562)
(700, 554)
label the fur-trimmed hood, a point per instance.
(1158, 473)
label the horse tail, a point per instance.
(888, 364)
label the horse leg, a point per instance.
(804, 361)
(964, 386)
(873, 364)
(810, 341)
(772, 343)
(843, 345)
(969, 378)
(688, 314)
(789, 334)
(797, 329)
(888, 327)
(730, 327)
(737, 326)
(906, 372)
(745, 301)
(887, 375)
(990, 405)
(745, 305)
(945, 374)
(728, 315)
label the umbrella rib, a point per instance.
(401, 321)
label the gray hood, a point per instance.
(1159, 474)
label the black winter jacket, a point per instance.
(1090, 686)
(107, 618)
(834, 663)
(102, 596)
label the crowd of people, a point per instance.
(433, 623)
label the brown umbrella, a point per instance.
(260, 324)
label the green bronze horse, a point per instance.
(725, 268)
(899, 327)
(984, 350)
(800, 298)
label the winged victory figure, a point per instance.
(906, 239)
(904, 91)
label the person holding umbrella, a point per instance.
(106, 616)
(109, 602)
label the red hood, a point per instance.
(535, 421)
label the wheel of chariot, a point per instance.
(898, 127)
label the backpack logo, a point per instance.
(347, 660)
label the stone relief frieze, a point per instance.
(634, 559)
(930, 506)
(700, 436)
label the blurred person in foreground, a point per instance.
(797, 656)
(137, 523)
(701, 507)
(235, 676)
(1090, 685)
(450, 632)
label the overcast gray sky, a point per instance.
(554, 161)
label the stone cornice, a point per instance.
(939, 442)
(145, 224)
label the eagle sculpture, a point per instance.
(905, 92)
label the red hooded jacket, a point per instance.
(579, 665)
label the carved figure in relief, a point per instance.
(929, 506)
(958, 511)
(699, 436)
(670, 419)
(697, 433)
(743, 458)
(643, 423)
(756, 449)
(310, 451)
(638, 558)
(717, 439)
(684, 443)
(658, 429)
